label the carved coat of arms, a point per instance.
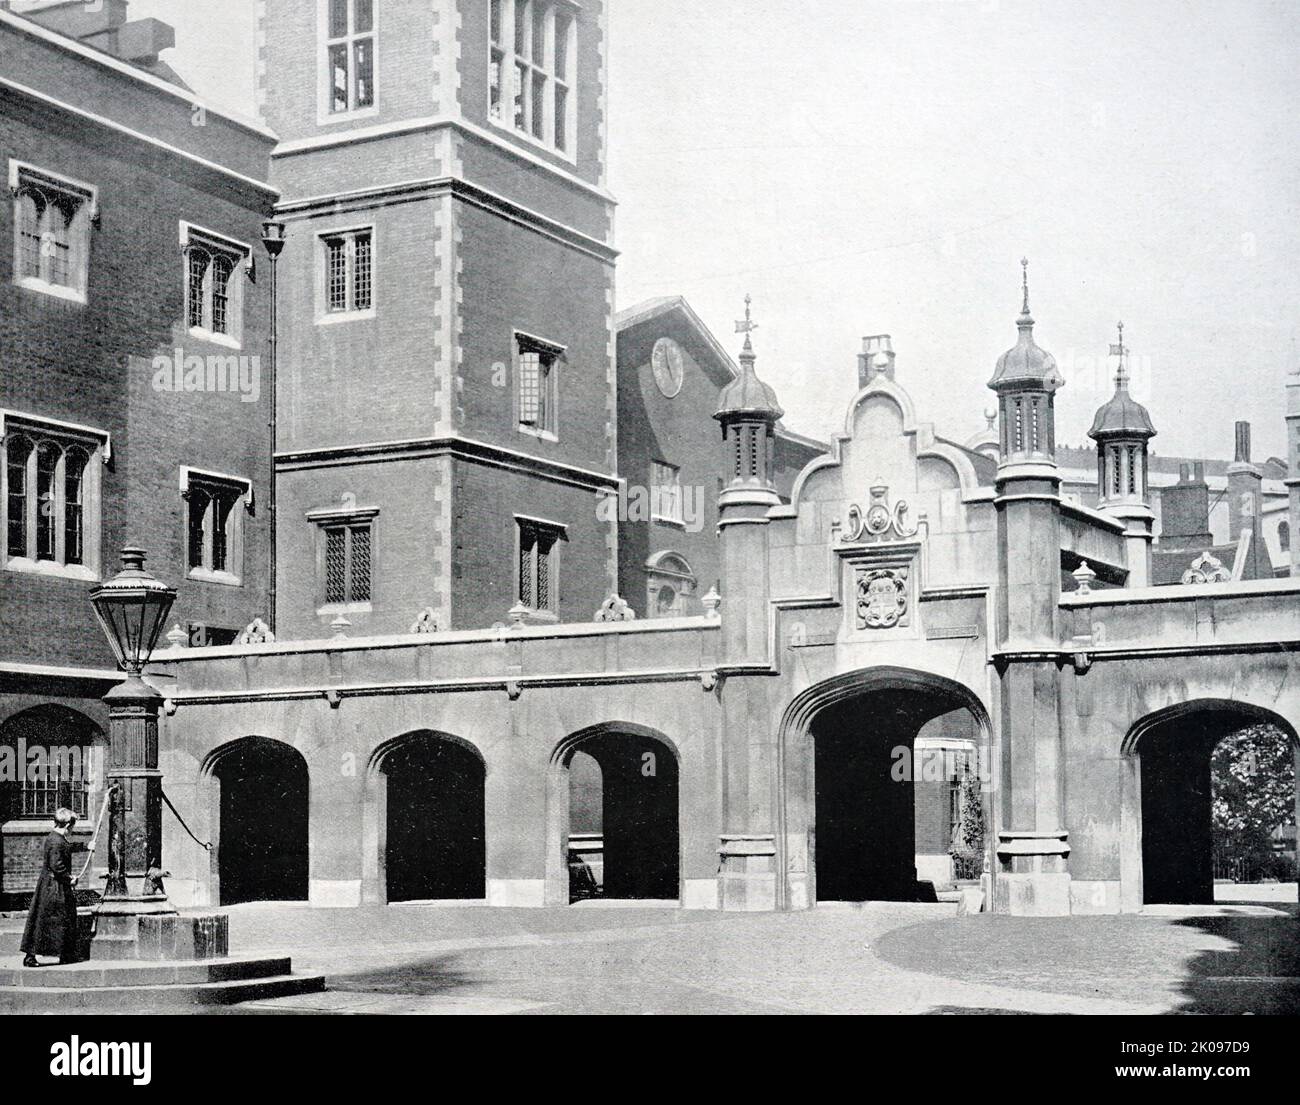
(881, 597)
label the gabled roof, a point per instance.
(669, 304)
(660, 306)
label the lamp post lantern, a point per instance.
(273, 238)
(132, 608)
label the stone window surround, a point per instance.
(87, 216)
(98, 444)
(661, 570)
(324, 316)
(191, 234)
(520, 343)
(232, 576)
(350, 515)
(559, 533)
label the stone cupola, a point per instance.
(748, 412)
(1026, 379)
(1122, 427)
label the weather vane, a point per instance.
(1120, 350)
(747, 324)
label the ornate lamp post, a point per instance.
(273, 238)
(132, 608)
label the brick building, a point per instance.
(453, 704)
(129, 226)
(448, 423)
(671, 372)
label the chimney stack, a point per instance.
(1242, 454)
(876, 359)
(1185, 510)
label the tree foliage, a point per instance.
(967, 848)
(1253, 774)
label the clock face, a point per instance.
(667, 361)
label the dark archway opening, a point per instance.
(262, 849)
(435, 821)
(879, 802)
(1178, 793)
(624, 840)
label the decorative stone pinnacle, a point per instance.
(1084, 577)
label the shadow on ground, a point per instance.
(1225, 963)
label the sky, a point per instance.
(880, 166)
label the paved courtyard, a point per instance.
(880, 958)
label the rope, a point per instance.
(207, 847)
(90, 848)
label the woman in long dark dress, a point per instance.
(52, 921)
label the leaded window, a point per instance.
(538, 385)
(348, 271)
(213, 296)
(538, 561)
(347, 563)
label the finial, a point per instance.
(991, 417)
(747, 325)
(1120, 350)
(1024, 283)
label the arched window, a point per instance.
(198, 261)
(31, 206)
(48, 456)
(61, 746)
(51, 505)
(199, 503)
(18, 450)
(214, 534)
(222, 267)
(670, 586)
(52, 218)
(74, 481)
(213, 301)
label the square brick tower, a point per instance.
(446, 370)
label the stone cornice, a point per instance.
(437, 122)
(460, 447)
(435, 187)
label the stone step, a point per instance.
(114, 948)
(98, 975)
(151, 999)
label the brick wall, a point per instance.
(486, 500)
(92, 364)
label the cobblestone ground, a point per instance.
(881, 958)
